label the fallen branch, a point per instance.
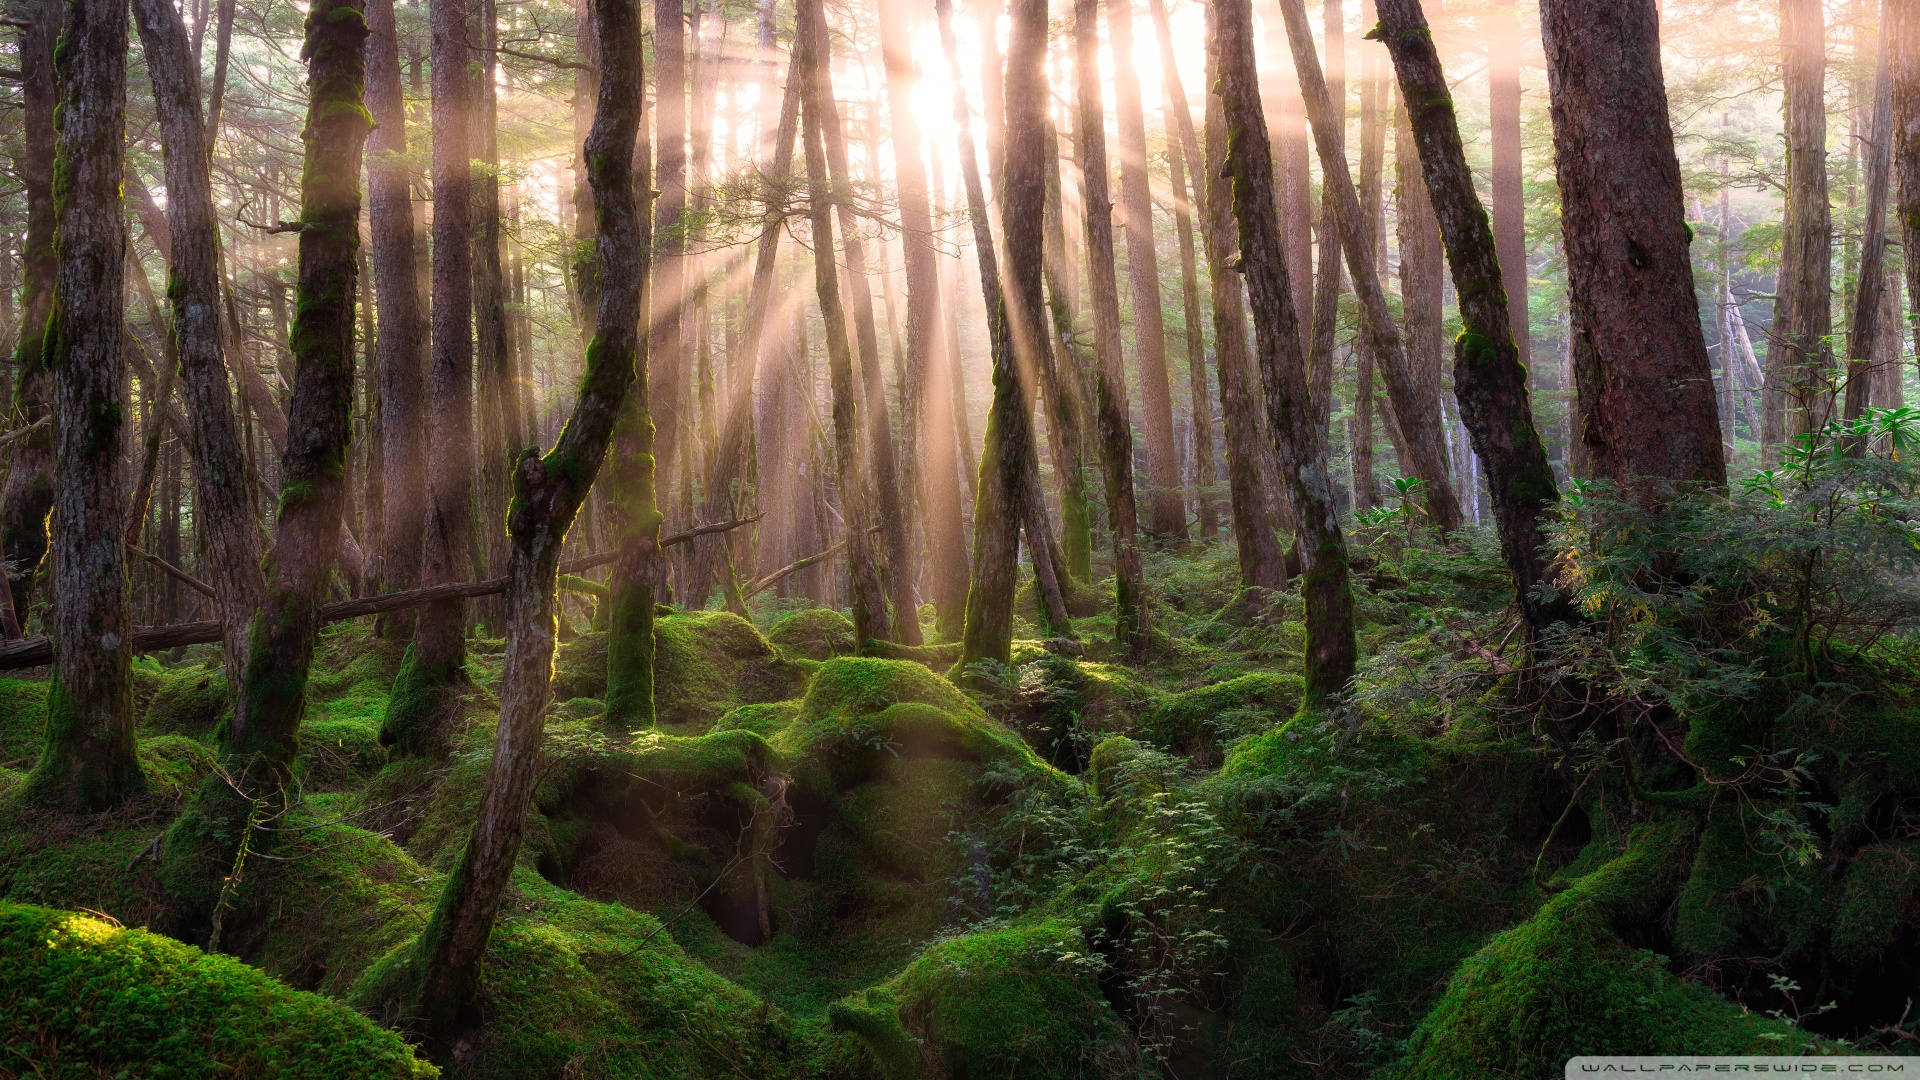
(175, 572)
(773, 579)
(38, 651)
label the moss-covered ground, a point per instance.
(827, 865)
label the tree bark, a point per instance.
(501, 439)
(1800, 356)
(1328, 282)
(1263, 563)
(1863, 335)
(1062, 383)
(1903, 61)
(1489, 381)
(418, 709)
(223, 504)
(1419, 422)
(1504, 45)
(869, 598)
(668, 285)
(943, 476)
(1324, 587)
(1131, 623)
(440, 979)
(27, 497)
(1287, 132)
(88, 763)
(1640, 358)
(400, 374)
(1166, 513)
(1373, 140)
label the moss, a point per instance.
(766, 719)
(1876, 900)
(86, 997)
(1564, 983)
(1203, 722)
(815, 633)
(874, 1016)
(188, 701)
(23, 721)
(419, 708)
(704, 663)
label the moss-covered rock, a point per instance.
(815, 634)
(83, 997)
(189, 701)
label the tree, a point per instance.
(1110, 382)
(88, 763)
(438, 978)
(1509, 196)
(419, 709)
(1864, 331)
(1798, 354)
(1324, 587)
(1640, 357)
(1903, 61)
(224, 505)
(1489, 380)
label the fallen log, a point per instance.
(38, 651)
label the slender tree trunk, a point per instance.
(88, 763)
(222, 54)
(1489, 381)
(1287, 132)
(942, 429)
(1263, 562)
(1131, 624)
(1799, 356)
(869, 598)
(1504, 46)
(1864, 333)
(1166, 513)
(669, 285)
(1646, 388)
(1903, 60)
(1328, 282)
(400, 373)
(1184, 163)
(440, 978)
(1061, 382)
(27, 497)
(1373, 138)
(1324, 588)
(499, 414)
(1419, 423)
(223, 506)
(418, 710)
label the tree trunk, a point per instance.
(869, 598)
(1803, 313)
(1110, 381)
(1062, 381)
(1419, 423)
(1263, 563)
(1324, 588)
(1903, 61)
(1183, 162)
(668, 286)
(1373, 151)
(1489, 381)
(1422, 269)
(499, 414)
(1504, 46)
(1640, 358)
(1166, 513)
(439, 979)
(1287, 132)
(27, 497)
(223, 504)
(1328, 282)
(943, 478)
(417, 712)
(87, 763)
(1863, 336)
(399, 373)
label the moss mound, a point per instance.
(188, 701)
(815, 633)
(705, 664)
(82, 997)
(23, 722)
(1203, 722)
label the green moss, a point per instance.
(420, 711)
(188, 701)
(815, 633)
(117, 1001)
(766, 719)
(1202, 722)
(704, 663)
(1874, 898)
(23, 721)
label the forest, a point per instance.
(880, 540)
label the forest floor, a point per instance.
(827, 865)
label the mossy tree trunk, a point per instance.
(869, 597)
(1166, 509)
(1799, 392)
(28, 495)
(88, 761)
(1864, 329)
(1110, 382)
(419, 712)
(1263, 563)
(1489, 379)
(1903, 62)
(1419, 417)
(224, 507)
(261, 738)
(400, 371)
(1640, 356)
(440, 978)
(1324, 588)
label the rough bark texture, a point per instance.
(439, 978)
(1110, 381)
(1419, 419)
(500, 437)
(1324, 587)
(1422, 270)
(1799, 355)
(1166, 510)
(1864, 332)
(1903, 61)
(400, 372)
(28, 495)
(1064, 383)
(869, 597)
(1373, 100)
(1640, 358)
(1263, 562)
(88, 762)
(1504, 47)
(436, 662)
(1489, 380)
(1328, 282)
(223, 506)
